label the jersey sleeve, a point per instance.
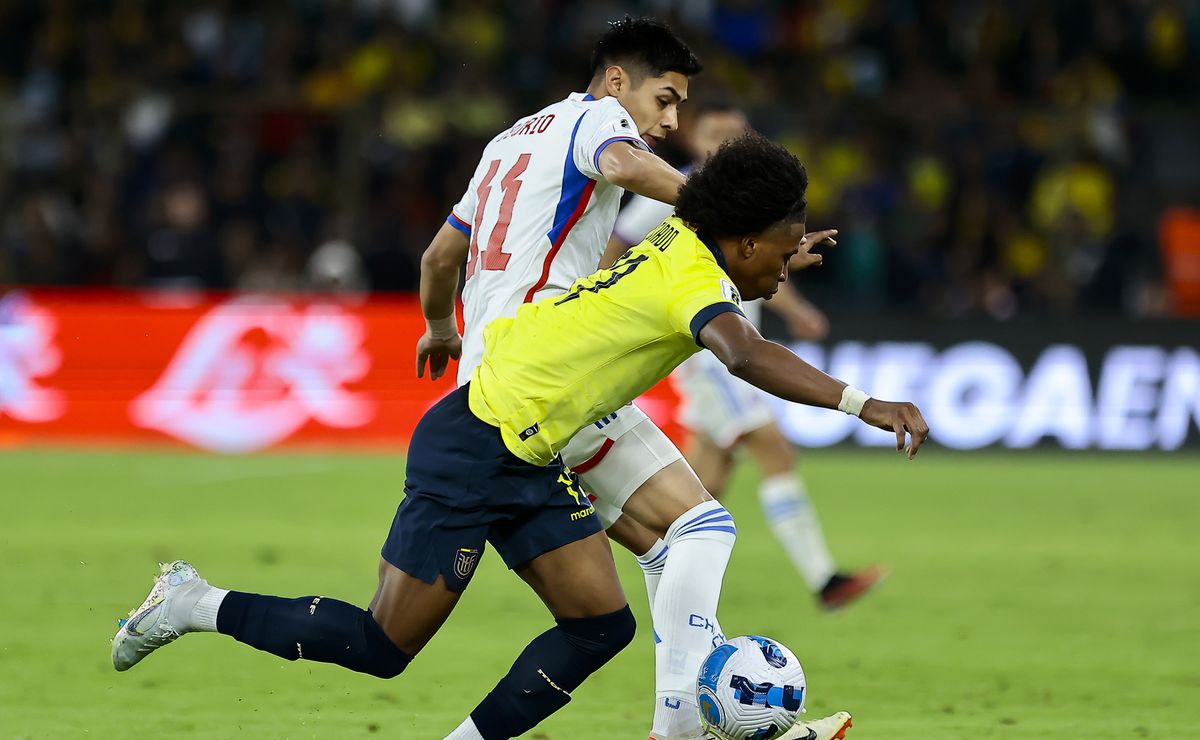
(639, 217)
(462, 215)
(699, 295)
(605, 123)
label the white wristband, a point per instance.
(446, 328)
(853, 401)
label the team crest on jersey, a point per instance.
(731, 293)
(464, 561)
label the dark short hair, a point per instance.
(645, 45)
(748, 186)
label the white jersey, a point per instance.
(538, 211)
(639, 217)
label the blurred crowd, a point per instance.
(982, 157)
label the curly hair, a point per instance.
(646, 46)
(748, 186)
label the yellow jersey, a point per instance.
(566, 361)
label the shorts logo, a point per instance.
(464, 561)
(571, 481)
(577, 515)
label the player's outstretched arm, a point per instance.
(775, 369)
(439, 286)
(642, 172)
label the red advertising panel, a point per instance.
(246, 373)
(227, 374)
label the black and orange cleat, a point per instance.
(844, 589)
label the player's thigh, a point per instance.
(770, 450)
(576, 580)
(410, 611)
(710, 461)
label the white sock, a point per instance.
(793, 520)
(685, 611)
(676, 718)
(653, 561)
(203, 617)
(466, 731)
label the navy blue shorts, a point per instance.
(464, 487)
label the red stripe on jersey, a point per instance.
(594, 460)
(562, 238)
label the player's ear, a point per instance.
(747, 246)
(615, 80)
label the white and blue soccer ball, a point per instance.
(750, 688)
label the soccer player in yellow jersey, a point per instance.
(483, 464)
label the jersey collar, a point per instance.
(717, 254)
(581, 96)
(713, 249)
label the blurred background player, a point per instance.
(722, 413)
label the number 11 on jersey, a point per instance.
(494, 257)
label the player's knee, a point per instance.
(384, 659)
(601, 637)
(709, 521)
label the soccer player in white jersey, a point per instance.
(535, 217)
(723, 413)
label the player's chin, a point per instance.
(763, 294)
(651, 141)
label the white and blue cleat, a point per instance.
(161, 618)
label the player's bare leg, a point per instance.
(631, 535)
(409, 610)
(793, 520)
(578, 580)
(579, 585)
(646, 546)
(712, 463)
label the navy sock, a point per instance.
(540, 682)
(312, 628)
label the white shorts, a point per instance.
(616, 455)
(717, 404)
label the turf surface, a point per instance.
(1032, 596)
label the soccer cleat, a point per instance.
(832, 727)
(843, 590)
(152, 625)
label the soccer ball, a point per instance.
(750, 688)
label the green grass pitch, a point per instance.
(1034, 595)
